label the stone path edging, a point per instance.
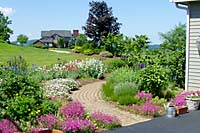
(91, 97)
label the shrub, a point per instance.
(106, 54)
(50, 107)
(115, 64)
(122, 75)
(88, 52)
(97, 50)
(22, 108)
(123, 89)
(104, 121)
(153, 79)
(77, 49)
(73, 109)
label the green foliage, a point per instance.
(153, 79)
(77, 49)
(134, 49)
(5, 31)
(159, 101)
(81, 40)
(115, 64)
(124, 89)
(122, 75)
(22, 39)
(108, 91)
(50, 107)
(17, 64)
(106, 54)
(61, 42)
(114, 44)
(22, 108)
(127, 100)
(100, 22)
(121, 86)
(174, 46)
(88, 52)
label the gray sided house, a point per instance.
(50, 38)
(192, 7)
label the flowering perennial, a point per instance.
(47, 121)
(148, 108)
(146, 96)
(107, 119)
(73, 109)
(7, 126)
(75, 126)
(59, 87)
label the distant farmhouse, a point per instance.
(50, 38)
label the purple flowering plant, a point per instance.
(7, 126)
(146, 106)
(105, 121)
(78, 125)
(47, 121)
(73, 109)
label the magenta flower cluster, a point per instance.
(78, 125)
(148, 108)
(107, 119)
(47, 121)
(73, 109)
(7, 126)
(143, 95)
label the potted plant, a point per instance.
(193, 100)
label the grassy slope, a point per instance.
(34, 55)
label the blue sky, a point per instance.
(148, 17)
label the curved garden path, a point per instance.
(90, 96)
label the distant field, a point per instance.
(34, 55)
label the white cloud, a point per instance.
(7, 11)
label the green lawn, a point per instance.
(34, 55)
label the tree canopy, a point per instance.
(100, 22)
(5, 31)
(22, 39)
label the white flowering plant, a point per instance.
(59, 87)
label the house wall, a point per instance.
(194, 57)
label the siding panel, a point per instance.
(194, 58)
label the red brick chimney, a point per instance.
(75, 33)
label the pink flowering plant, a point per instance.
(146, 105)
(47, 121)
(7, 126)
(104, 120)
(180, 99)
(78, 125)
(73, 109)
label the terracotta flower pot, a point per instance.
(50, 131)
(181, 110)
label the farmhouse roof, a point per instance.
(62, 33)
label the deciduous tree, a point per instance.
(5, 31)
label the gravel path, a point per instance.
(90, 96)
